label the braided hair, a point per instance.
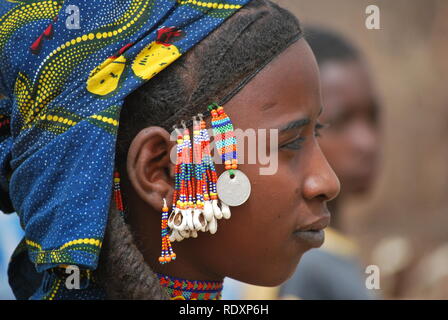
(250, 38)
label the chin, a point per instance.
(274, 279)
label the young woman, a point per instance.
(249, 66)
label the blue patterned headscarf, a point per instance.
(66, 67)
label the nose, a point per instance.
(320, 180)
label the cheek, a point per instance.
(259, 233)
(260, 224)
(274, 200)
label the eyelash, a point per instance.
(320, 126)
(297, 143)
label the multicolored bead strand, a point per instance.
(183, 289)
(200, 175)
(167, 254)
(187, 159)
(182, 201)
(118, 199)
(183, 192)
(225, 139)
(177, 180)
(226, 144)
(176, 220)
(197, 159)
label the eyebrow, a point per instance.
(296, 124)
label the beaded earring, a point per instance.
(197, 189)
(201, 198)
(233, 186)
(167, 251)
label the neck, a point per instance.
(183, 289)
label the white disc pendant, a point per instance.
(233, 191)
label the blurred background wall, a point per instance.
(402, 225)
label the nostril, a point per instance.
(322, 197)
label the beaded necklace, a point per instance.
(183, 289)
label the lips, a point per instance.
(313, 234)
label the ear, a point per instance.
(149, 166)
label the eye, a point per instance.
(319, 126)
(295, 144)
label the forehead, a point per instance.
(286, 89)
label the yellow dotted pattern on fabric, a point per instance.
(59, 119)
(53, 73)
(23, 96)
(99, 35)
(132, 9)
(33, 244)
(212, 5)
(93, 242)
(89, 241)
(27, 13)
(58, 123)
(61, 255)
(55, 289)
(106, 119)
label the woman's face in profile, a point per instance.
(286, 212)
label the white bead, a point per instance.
(225, 210)
(189, 217)
(184, 233)
(213, 226)
(183, 222)
(196, 220)
(172, 236)
(216, 211)
(179, 238)
(208, 210)
(175, 236)
(171, 218)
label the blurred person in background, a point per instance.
(351, 144)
